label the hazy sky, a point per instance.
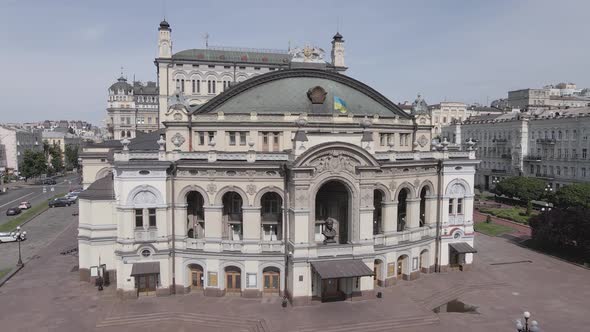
(59, 57)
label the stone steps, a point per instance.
(441, 297)
(378, 325)
(231, 322)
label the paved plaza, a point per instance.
(505, 281)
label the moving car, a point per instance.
(24, 205)
(60, 201)
(13, 211)
(9, 237)
(46, 182)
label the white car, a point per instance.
(24, 205)
(7, 237)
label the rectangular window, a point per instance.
(532, 169)
(583, 172)
(451, 205)
(211, 136)
(242, 138)
(211, 66)
(198, 86)
(232, 138)
(182, 85)
(242, 67)
(383, 139)
(227, 67)
(138, 218)
(149, 120)
(584, 153)
(256, 68)
(275, 141)
(459, 205)
(201, 138)
(152, 217)
(264, 141)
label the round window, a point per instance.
(146, 253)
(457, 235)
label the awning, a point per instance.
(139, 269)
(341, 268)
(462, 248)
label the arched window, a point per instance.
(271, 215)
(377, 212)
(195, 215)
(232, 216)
(402, 209)
(456, 206)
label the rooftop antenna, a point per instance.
(206, 37)
(289, 49)
(121, 71)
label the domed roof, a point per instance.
(338, 36)
(164, 25)
(288, 91)
(419, 106)
(121, 85)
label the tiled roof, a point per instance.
(246, 56)
(100, 190)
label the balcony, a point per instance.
(498, 171)
(506, 156)
(533, 158)
(550, 141)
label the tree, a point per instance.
(33, 164)
(71, 156)
(488, 219)
(525, 188)
(573, 195)
(57, 163)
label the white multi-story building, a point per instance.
(447, 112)
(550, 144)
(16, 141)
(197, 75)
(266, 190)
(562, 95)
(132, 108)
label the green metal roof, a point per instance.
(240, 56)
(286, 91)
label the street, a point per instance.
(34, 194)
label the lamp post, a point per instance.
(19, 236)
(548, 189)
(534, 327)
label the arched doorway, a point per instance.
(271, 215)
(195, 215)
(377, 272)
(232, 216)
(271, 280)
(377, 212)
(233, 280)
(196, 276)
(402, 207)
(402, 267)
(333, 201)
(425, 191)
(424, 261)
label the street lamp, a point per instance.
(19, 237)
(548, 188)
(534, 327)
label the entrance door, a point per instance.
(146, 284)
(377, 273)
(271, 282)
(196, 279)
(400, 266)
(330, 291)
(233, 282)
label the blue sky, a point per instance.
(59, 57)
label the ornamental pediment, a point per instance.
(335, 161)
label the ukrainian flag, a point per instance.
(340, 105)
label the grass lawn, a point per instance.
(491, 229)
(26, 215)
(514, 213)
(4, 272)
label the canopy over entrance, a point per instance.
(140, 269)
(462, 248)
(341, 268)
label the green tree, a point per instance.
(573, 195)
(33, 164)
(46, 148)
(57, 163)
(71, 156)
(525, 188)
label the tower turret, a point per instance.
(164, 40)
(338, 51)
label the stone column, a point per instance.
(430, 213)
(365, 215)
(389, 218)
(213, 232)
(413, 213)
(251, 224)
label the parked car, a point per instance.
(46, 182)
(60, 201)
(24, 205)
(13, 211)
(71, 198)
(8, 237)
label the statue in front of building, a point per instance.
(329, 231)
